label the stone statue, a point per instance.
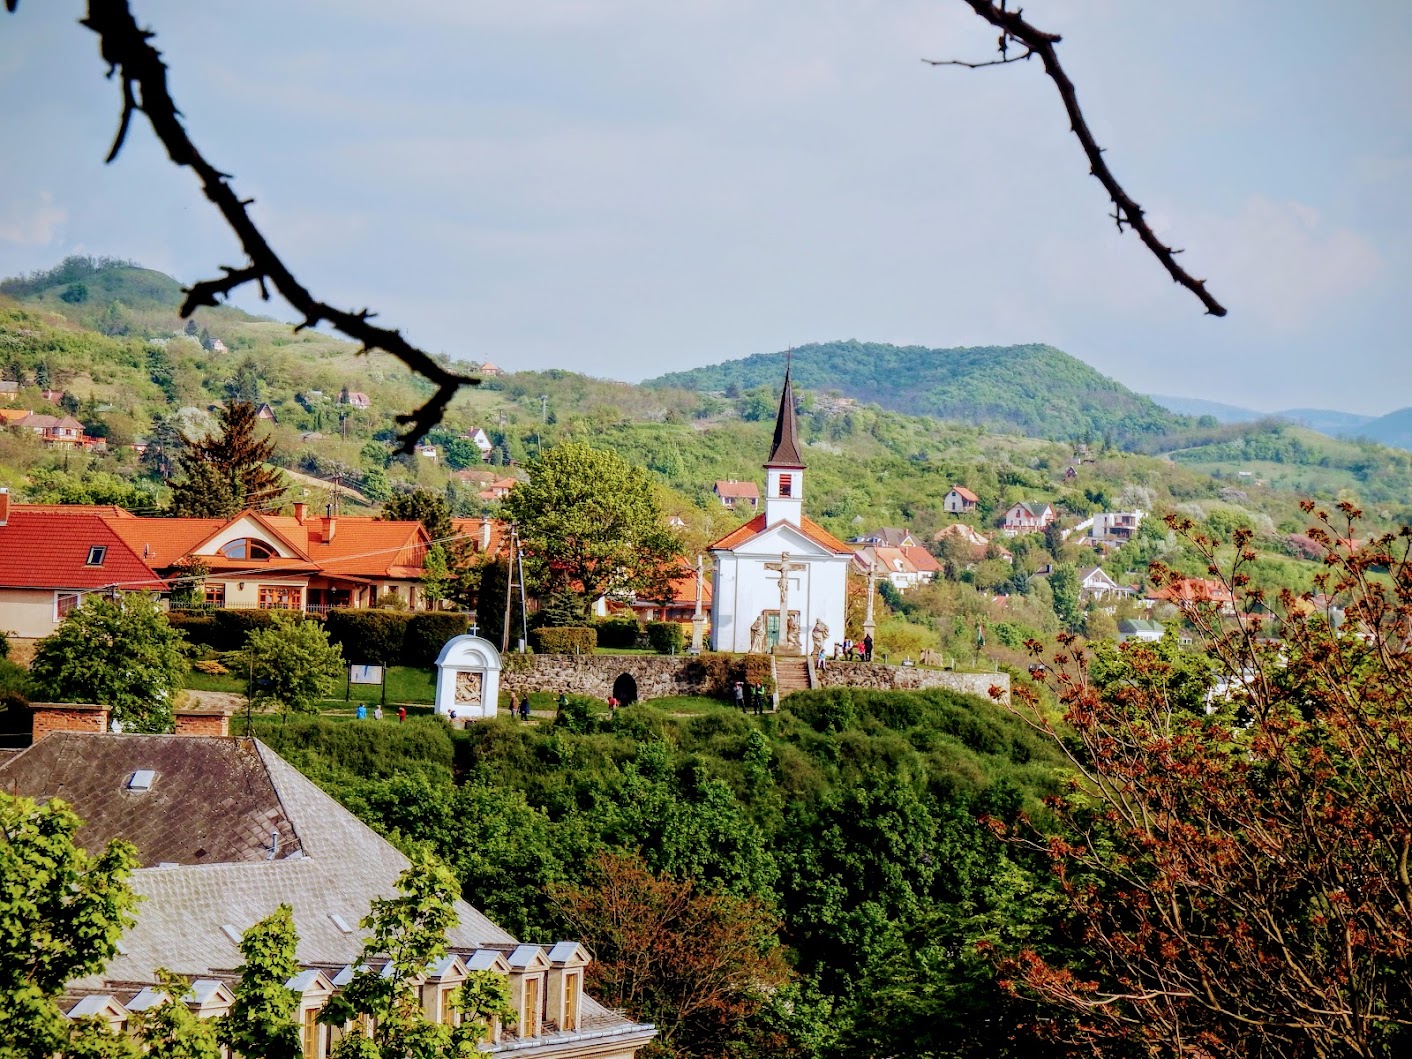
(793, 639)
(819, 634)
(757, 636)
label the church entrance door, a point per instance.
(772, 630)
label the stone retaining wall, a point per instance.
(657, 676)
(909, 678)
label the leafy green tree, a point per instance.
(244, 385)
(170, 1030)
(120, 653)
(1064, 584)
(376, 485)
(264, 1020)
(1153, 672)
(420, 505)
(410, 932)
(291, 663)
(461, 453)
(229, 470)
(62, 911)
(590, 523)
(436, 575)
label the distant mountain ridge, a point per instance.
(1394, 429)
(1033, 389)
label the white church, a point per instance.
(778, 581)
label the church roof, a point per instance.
(811, 529)
(785, 450)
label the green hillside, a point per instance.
(1032, 389)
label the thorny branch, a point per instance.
(1126, 212)
(126, 49)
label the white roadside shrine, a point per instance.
(468, 679)
(778, 582)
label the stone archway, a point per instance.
(625, 689)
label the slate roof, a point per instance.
(331, 864)
(784, 452)
(211, 800)
(811, 529)
(50, 549)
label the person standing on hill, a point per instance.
(401, 713)
(740, 695)
(524, 708)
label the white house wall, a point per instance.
(744, 588)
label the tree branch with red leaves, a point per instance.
(1238, 871)
(1126, 211)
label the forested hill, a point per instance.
(1032, 389)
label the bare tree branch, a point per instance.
(130, 56)
(1126, 212)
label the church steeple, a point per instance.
(785, 451)
(784, 470)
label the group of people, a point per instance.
(747, 695)
(377, 713)
(520, 707)
(852, 650)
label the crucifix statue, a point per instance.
(785, 568)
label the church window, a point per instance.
(786, 485)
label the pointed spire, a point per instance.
(785, 450)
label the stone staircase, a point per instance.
(791, 675)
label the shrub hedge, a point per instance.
(566, 640)
(665, 637)
(618, 633)
(427, 633)
(369, 637)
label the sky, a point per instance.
(628, 187)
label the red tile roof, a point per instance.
(738, 490)
(1193, 590)
(360, 547)
(48, 549)
(471, 529)
(965, 494)
(811, 529)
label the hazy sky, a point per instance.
(626, 187)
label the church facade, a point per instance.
(778, 581)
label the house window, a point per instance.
(248, 548)
(311, 1034)
(529, 1025)
(215, 593)
(571, 1002)
(786, 485)
(96, 554)
(281, 597)
(64, 602)
(448, 1013)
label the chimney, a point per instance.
(299, 510)
(4, 507)
(67, 717)
(197, 717)
(485, 533)
(330, 524)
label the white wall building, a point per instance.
(746, 563)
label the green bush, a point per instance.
(4, 645)
(427, 633)
(233, 626)
(665, 637)
(372, 637)
(15, 680)
(618, 633)
(200, 629)
(565, 641)
(578, 714)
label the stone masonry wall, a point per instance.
(656, 675)
(661, 675)
(909, 678)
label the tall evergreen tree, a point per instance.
(229, 470)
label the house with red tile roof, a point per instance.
(51, 559)
(778, 581)
(730, 493)
(960, 501)
(254, 560)
(1026, 517)
(1186, 593)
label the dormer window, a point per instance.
(96, 554)
(786, 485)
(248, 548)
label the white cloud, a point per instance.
(33, 225)
(1284, 264)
